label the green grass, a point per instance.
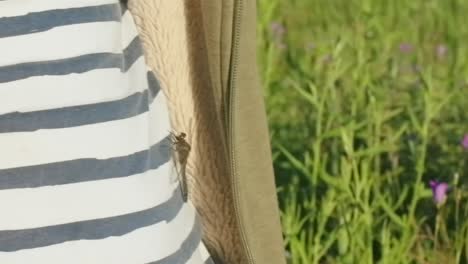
(367, 102)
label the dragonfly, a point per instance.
(181, 150)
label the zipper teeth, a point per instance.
(237, 25)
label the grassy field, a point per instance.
(367, 103)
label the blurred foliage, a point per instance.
(367, 102)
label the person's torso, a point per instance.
(86, 172)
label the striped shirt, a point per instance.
(86, 173)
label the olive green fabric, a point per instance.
(251, 149)
(252, 170)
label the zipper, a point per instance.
(238, 8)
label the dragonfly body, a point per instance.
(182, 149)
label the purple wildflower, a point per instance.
(327, 59)
(439, 191)
(281, 45)
(310, 46)
(441, 51)
(277, 29)
(464, 141)
(417, 68)
(406, 48)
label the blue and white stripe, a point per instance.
(86, 173)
